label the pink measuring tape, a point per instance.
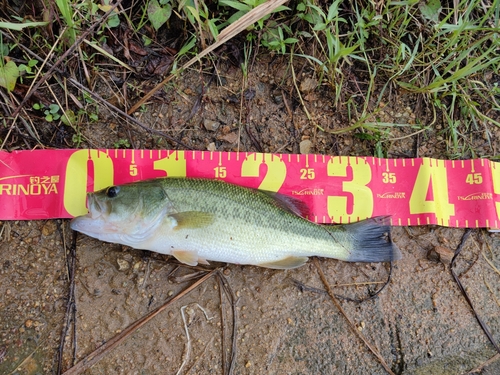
(48, 184)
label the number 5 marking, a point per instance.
(362, 206)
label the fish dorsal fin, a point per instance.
(286, 263)
(192, 219)
(288, 203)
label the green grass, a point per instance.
(448, 57)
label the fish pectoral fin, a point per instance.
(286, 263)
(192, 219)
(187, 257)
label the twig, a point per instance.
(230, 295)
(100, 352)
(188, 336)
(483, 325)
(71, 302)
(351, 324)
(480, 368)
(306, 288)
(223, 324)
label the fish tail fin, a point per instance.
(371, 241)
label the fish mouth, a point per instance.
(95, 220)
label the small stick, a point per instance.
(480, 368)
(483, 325)
(70, 307)
(351, 324)
(188, 336)
(232, 300)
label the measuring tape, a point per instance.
(48, 184)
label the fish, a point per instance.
(202, 220)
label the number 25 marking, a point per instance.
(307, 174)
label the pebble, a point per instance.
(211, 125)
(123, 265)
(305, 146)
(308, 85)
(49, 228)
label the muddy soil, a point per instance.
(420, 323)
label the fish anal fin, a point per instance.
(192, 219)
(190, 258)
(187, 257)
(203, 261)
(286, 263)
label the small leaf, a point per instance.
(319, 26)
(20, 26)
(8, 75)
(68, 118)
(158, 15)
(53, 108)
(113, 21)
(105, 8)
(430, 10)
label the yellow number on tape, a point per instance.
(307, 174)
(389, 177)
(474, 178)
(133, 170)
(276, 170)
(75, 185)
(362, 195)
(174, 165)
(220, 172)
(432, 172)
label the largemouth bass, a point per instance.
(198, 220)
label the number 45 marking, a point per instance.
(474, 178)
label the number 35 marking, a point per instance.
(389, 177)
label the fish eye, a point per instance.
(112, 191)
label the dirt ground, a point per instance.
(420, 323)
